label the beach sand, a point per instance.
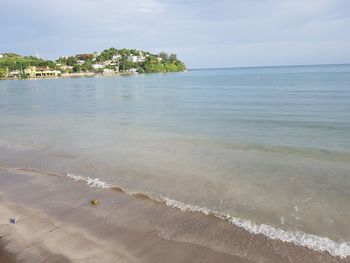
(5, 256)
(56, 222)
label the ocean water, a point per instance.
(267, 148)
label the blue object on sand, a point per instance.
(13, 221)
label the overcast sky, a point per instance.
(204, 33)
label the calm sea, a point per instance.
(268, 146)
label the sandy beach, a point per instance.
(5, 256)
(57, 223)
(153, 131)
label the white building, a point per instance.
(41, 72)
(107, 71)
(132, 70)
(132, 58)
(136, 59)
(116, 57)
(15, 73)
(65, 68)
(1, 55)
(107, 62)
(141, 58)
(97, 66)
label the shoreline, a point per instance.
(93, 75)
(51, 208)
(74, 75)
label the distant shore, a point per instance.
(57, 223)
(75, 75)
(86, 75)
(108, 62)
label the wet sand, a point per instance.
(57, 223)
(5, 256)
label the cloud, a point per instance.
(198, 30)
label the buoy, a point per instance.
(95, 202)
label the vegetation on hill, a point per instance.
(16, 62)
(109, 60)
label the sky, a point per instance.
(203, 33)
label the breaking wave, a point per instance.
(92, 182)
(338, 249)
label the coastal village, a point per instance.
(110, 62)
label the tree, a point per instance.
(71, 61)
(140, 70)
(87, 66)
(85, 57)
(11, 55)
(163, 55)
(3, 72)
(172, 58)
(124, 52)
(107, 54)
(152, 63)
(76, 68)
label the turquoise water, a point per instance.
(270, 145)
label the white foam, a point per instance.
(338, 249)
(92, 182)
(317, 243)
(283, 220)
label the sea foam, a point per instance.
(338, 249)
(92, 182)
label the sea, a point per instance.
(266, 148)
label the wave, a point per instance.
(322, 244)
(92, 182)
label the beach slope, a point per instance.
(56, 222)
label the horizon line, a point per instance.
(273, 66)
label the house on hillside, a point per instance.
(96, 54)
(116, 57)
(84, 57)
(107, 62)
(132, 71)
(136, 59)
(41, 72)
(15, 74)
(108, 72)
(132, 58)
(66, 68)
(97, 66)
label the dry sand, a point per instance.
(57, 223)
